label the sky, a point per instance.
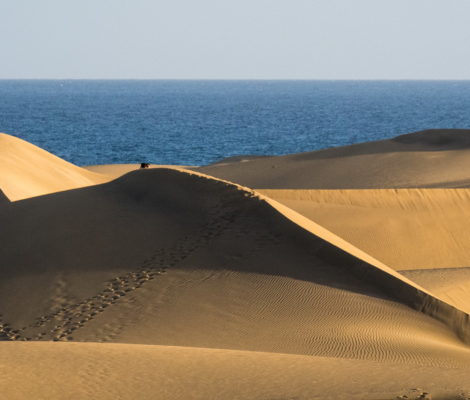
(235, 39)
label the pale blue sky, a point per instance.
(236, 39)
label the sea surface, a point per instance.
(199, 122)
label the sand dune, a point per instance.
(436, 158)
(206, 289)
(26, 171)
(82, 371)
(108, 248)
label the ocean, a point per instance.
(198, 122)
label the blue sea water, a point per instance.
(198, 122)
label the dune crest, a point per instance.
(445, 307)
(117, 170)
(27, 170)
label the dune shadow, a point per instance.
(3, 198)
(120, 223)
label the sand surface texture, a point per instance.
(168, 284)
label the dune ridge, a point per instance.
(117, 170)
(367, 267)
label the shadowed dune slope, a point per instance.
(27, 170)
(3, 198)
(434, 158)
(164, 257)
(81, 371)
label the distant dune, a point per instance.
(166, 283)
(436, 158)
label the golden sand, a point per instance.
(167, 283)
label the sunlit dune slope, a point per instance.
(164, 257)
(435, 158)
(115, 371)
(404, 228)
(27, 170)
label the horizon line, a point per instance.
(243, 79)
